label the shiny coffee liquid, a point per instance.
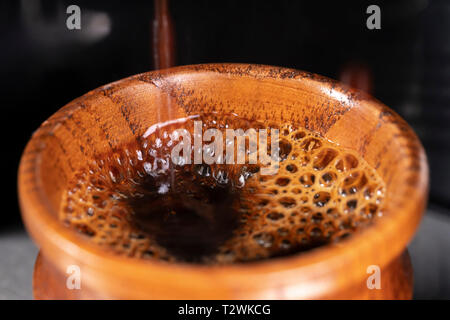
(136, 202)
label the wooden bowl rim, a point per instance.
(311, 268)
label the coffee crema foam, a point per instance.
(136, 202)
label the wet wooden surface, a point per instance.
(122, 111)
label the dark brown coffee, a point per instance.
(137, 202)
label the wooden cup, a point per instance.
(102, 119)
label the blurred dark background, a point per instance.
(405, 64)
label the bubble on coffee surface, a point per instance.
(136, 202)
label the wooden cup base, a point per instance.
(396, 283)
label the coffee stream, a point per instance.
(136, 202)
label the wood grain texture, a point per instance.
(100, 120)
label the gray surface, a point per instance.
(17, 254)
(430, 253)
